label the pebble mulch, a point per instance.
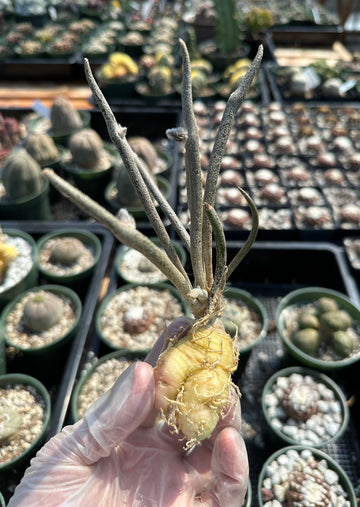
(20, 266)
(21, 337)
(162, 305)
(100, 381)
(30, 406)
(299, 478)
(251, 324)
(304, 409)
(135, 267)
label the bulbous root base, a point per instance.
(193, 381)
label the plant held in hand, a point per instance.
(193, 375)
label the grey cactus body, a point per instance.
(42, 148)
(64, 117)
(21, 175)
(41, 311)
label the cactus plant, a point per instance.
(64, 117)
(227, 26)
(66, 251)
(308, 340)
(87, 150)
(10, 422)
(21, 175)
(160, 79)
(42, 310)
(119, 67)
(7, 254)
(42, 148)
(145, 150)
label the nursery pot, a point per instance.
(307, 296)
(281, 431)
(27, 381)
(33, 207)
(119, 355)
(30, 276)
(75, 280)
(318, 455)
(42, 353)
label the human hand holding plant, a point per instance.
(116, 455)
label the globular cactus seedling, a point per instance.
(21, 175)
(145, 150)
(42, 148)
(42, 310)
(64, 117)
(87, 150)
(193, 374)
(66, 251)
(10, 422)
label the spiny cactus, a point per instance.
(64, 117)
(227, 26)
(42, 310)
(42, 148)
(87, 149)
(21, 175)
(160, 79)
(66, 251)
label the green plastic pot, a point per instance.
(51, 349)
(109, 297)
(33, 207)
(92, 183)
(27, 380)
(74, 281)
(319, 455)
(30, 278)
(136, 211)
(256, 305)
(180, 250)
(279, 436)
(308, 295)
(118, 354)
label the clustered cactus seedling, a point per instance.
(42, 148)
(325, 323)
(64, 117)
(119, 67)
(42, 310)
(21, 175)
(193, 375)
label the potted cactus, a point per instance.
(41, 320)
(25, 190)
(118, 75)
(89, 162)
(18, 263)
(65, 119)
(43, 149)
(158, 83)
(68, 256)
(25, 410)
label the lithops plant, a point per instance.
(42, 148)
(21, 175)
(87, 151)
(64, 117)
(42, 310)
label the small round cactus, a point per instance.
(199, 80)
(42, 148)
(326, 304)
(137, 319)
(300, 401)
(66, 251)
(64, 117)
(42, 310)
(145, 150)
(308, 340)
(87, 149)
(308, 320)
(343, 343)
(338, 320)
(10, 422)
(21, 175)
(160, 79)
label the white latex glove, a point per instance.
(118, 455)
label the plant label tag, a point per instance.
(312, 77)
(347, 85)
(41, 109)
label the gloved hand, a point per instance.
(117, 455)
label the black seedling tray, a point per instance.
(269, 272)
(59, 378)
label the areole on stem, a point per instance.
(193, 377)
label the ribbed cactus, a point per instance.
(42, 310)
(64, 117)
(66, 251)
(127, 195)
(145, 150)
(227, 26)
(160, 79)
(86, 148)
(42, 148)
(21, 175)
